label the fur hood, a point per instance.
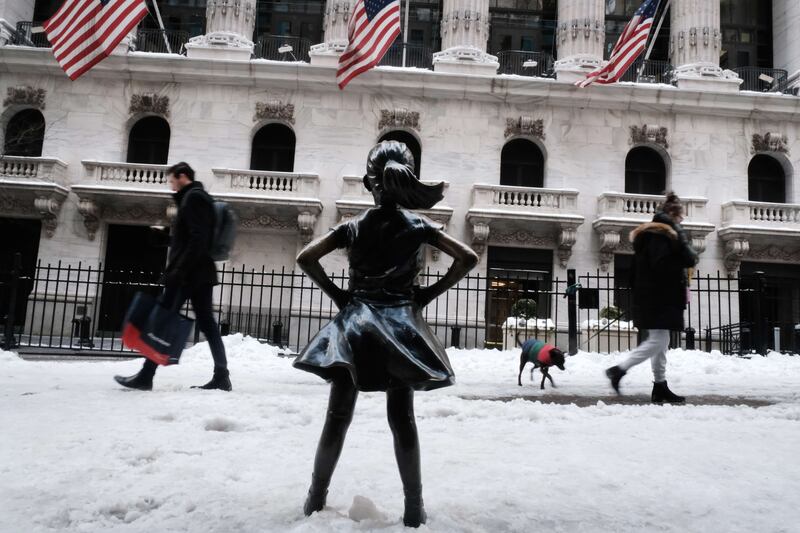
(658, 228)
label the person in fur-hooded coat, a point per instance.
(663, 265)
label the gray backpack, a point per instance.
(224, 231)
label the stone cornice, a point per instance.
(141, 66)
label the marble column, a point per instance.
(229, 28)
(11, 12)
(337, 15)
(695, 44)
(785, 37)
(580, 38)
(465, 32)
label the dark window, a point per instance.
(528, 25)
(25, 134)
(746, 27)
(645, 172)
(290, 18)
(135, 257)
(178, 15)
(148, 141)
(766, 180)
(522, 164)
(515, 274)
(410, 141)
(273, 149)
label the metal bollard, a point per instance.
(277, 333)
(82, 328)
(224, 327)
(455, 336)
(776, 338)
(689, 338)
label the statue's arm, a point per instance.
(308, 261)
(464, 260)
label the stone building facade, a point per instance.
(569, 153)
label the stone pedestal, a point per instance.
(465, 32)
(580, 38)
(695, 44)
(229, 26)
(337, 14)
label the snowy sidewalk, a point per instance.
(78, 453)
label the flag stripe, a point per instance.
(373, 26)
(84, 32)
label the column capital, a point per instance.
(229, 26)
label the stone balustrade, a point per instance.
(126, 174)
(518, 200)
(33, 168)
(289, 184)
(781, 217)
(643, 206)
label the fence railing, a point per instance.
(417, 55)
(522, 63)
(762, 79)
(153, 40)
(25, 35)
(740, 212)
(525, 198)
(282, 48)
(650, 71)
(33, 168)
(81, 308)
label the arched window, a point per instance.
(24, 134)
(522, 164)
(410, 141)
(645, 171)
(148, 141)
(273, 149)
(766, 180)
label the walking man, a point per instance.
(662, 261)
(190, 273)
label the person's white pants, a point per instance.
(655, 349)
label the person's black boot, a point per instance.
(615, 374)
(662, 394)
(143, 380)
(414, 514)
(317, 494)
(220, 381)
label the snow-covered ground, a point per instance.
(79, 453)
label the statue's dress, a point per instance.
(380, 338)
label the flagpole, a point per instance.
(653, 40)
(161, 25)
(405, 30)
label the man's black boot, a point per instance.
(615, 374)
(414, 514)
(143, 380)
(220, 381)
(662, 394)
(317, 494)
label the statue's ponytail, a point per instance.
(393, 163)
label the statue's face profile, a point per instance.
(375, 186)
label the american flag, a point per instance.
(84, 32)
(373, 27)
(629, 45)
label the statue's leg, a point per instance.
(341, 404)
(400, 410)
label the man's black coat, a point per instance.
(189, 263)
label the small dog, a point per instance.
(543, 356)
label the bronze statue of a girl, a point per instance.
(379, 341)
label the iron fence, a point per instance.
(155, 40)
(80, 309)
(762, 79)
(25, 35)
(521, 63)
(417, 55)
(283, 48)
(650, 71)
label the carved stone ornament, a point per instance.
(567, 237)
(770, 142)
(775, 253)
(266, 221)
(524, 238)
(735, 250)
(480, 236)
(649, 134)
(525, 126)
(149, 103)
(12, 204)
(399, 118)
(306, 223)
(49, 208)
(274, 110)
(91, 216)
(609, 242)
(25, 96)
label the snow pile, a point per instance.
(79, 453)
(541, 324)
(608, 325)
